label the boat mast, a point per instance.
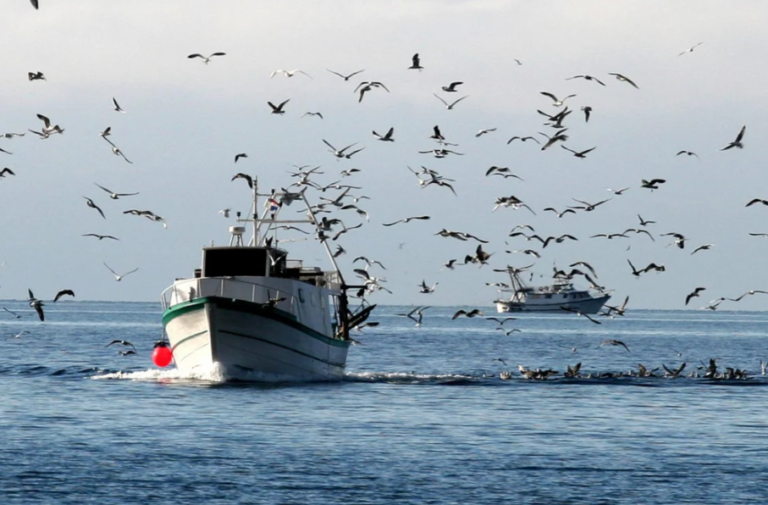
(255, 213)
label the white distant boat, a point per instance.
(251, 309)
(559, 296)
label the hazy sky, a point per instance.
(185, 121)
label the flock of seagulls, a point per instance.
(557, 132)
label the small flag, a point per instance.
(274, 205)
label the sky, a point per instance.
(185, 120)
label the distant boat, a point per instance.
(251, 308)
(559, 296)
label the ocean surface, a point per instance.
(423, 416)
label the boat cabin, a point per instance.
(259, 261)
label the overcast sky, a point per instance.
(186, 120)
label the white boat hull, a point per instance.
(585, 306)
(242, 336)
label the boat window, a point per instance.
(301, 295)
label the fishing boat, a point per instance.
(250, 308)
(561, 295)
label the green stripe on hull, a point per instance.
(250, 307)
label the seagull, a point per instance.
(345, 77)
(554, 138)
(587, 111)
(92, 205)
(580, 313)
(693, 294)
(689, 153)
(427, 289)
(621, 308)
(318, 114)
(119, 277)
(737, 142)
(36, 304)
(121, 342)
(416, 63)
(62, 293)
(366, 86)
(114, 195)
(644, 222)
(617, 191)
(387, 137)
(6, 170)
(555, 101)
(586, 78)
(451, 105)
(117, 107)
(702, 248)
(289, 73)
(339, 153)
(17, 316)
(621, 78)
(750, 292)
(484, 131)
(36, 76)
(106, 133)
(652, 184)
(690, 49)
(117, 152)
(241, 155)
(756, 200)
(100, 237)
(406, 220)
(225, 212)
(578, 154)
(47, 128)
(247, 178)
(205, 60)
(471, 313)
(614, 342)
(523, 139)
(11, 135)
(451, 88)
(279, 108)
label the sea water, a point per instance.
(422, 417)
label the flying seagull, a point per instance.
(693, 294)
(416, 63)
(100, 237)
(614, 342)
(36, 304)
(114, 195)
(690, 49)
(117, 106)
(92, 205)
(555, 101)
(36, 76)
(247, 178)
(241, 155)
(622, 78)
(405, 220)
(117, 152)
(6, 170)
(62, 293)
(345, 77)
(586, 78)
(452, 104)
(278, 109)
(289, 73)
(119, 277)
(205, 60)
(737, 142)
(451, 88)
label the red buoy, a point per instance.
(162, 355)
